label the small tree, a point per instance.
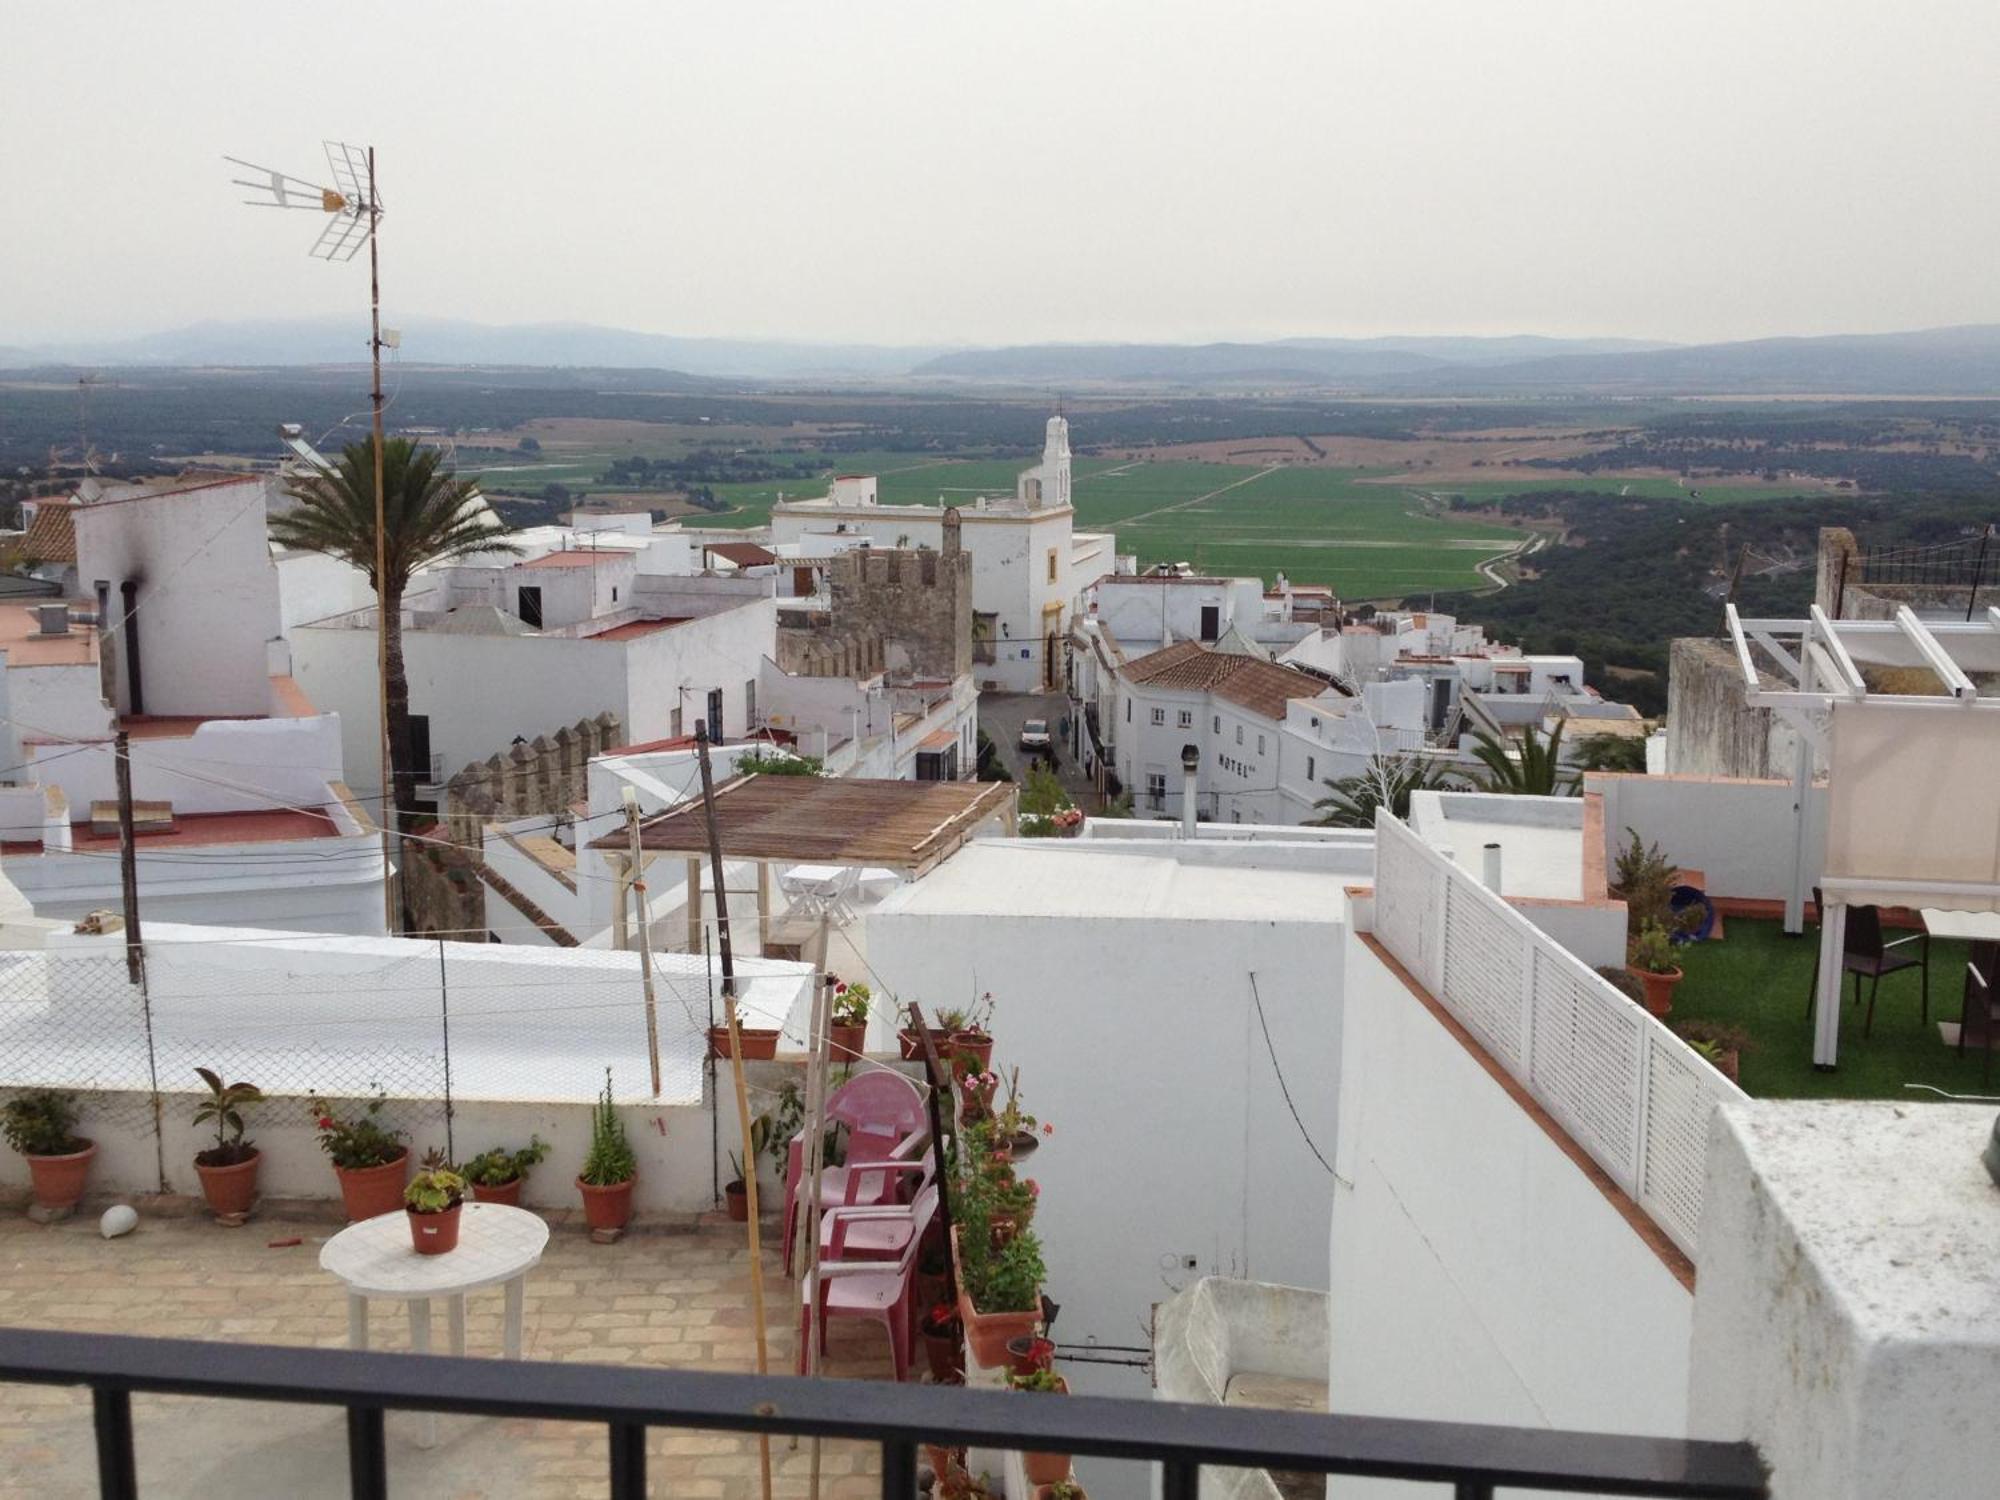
(1535, 771)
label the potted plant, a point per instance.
(1718, 1041)
(1030, 1352)
(849, 1030)
(970, 1041)
(1651, 958)
(228, 1169)
(999, 1290)
(42, 1126)
(911, 1038)
(1062, 1489)
(498, 1175)
(944, 1342)
(370, 1160)
(760, 1043)
(975, 1094)
(433, 1201)
(610, 1169)
(1019, 1128)
(1043, 1468)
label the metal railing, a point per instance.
(1626, 1089)
(628, 1403)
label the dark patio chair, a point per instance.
(1864, 954)
(1979, 1019)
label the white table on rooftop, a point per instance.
(497, 1246)
(825, 888)
(1973, 926)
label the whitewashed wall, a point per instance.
(1174, 1154)
(1477, 1274)
(1738, 833)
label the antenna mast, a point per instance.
(353, 207)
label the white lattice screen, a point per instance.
(1626, 1089)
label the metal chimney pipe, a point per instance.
(1491, 865)
(129, 621)
(1190, 782)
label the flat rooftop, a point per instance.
(672, 1301)
(22, 639)
(192, 829)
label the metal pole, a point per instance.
(816, 1160)
(444, 1015)
(391, 804)
(128, 858)
(1978, 572)
(742, 1087)
(637, 886)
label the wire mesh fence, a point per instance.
(430, 1025)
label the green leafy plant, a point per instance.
(779, 763)
(1652, 952)
(359, 1142)
(1536, 770)
(1066, 1489)
(1722, 1036)
(42, 1123)
(499, 1166)
(1625, 982)
(610, 1160)
(1014, 1276)
(851, 1004)
(224, 1109)
(1039, 1380)
(434, 1191)
(1643, 878)
(1389, 782)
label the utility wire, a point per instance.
(1305, 1134)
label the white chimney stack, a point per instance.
(1491, 866)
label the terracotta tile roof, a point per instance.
(53, 536)
(575, 558)
(743, 554)
(1262, 687)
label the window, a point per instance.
(1052, 565)
(1260, 744)
(1128, 710)
(1156, 790)
(420, 749)
(674, 729)
(1159, 716)
(1211, 622)
(1186, 719)
(528, 605)
(1310, 772)
(715, 716)
(938, 765)
(749, 704)
(983, 623)
(1239, 734)
(614, 593)
(1218, 723)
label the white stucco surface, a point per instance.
(1478, 1274)
(1848, 1315)
(1123, 993)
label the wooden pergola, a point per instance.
(906, 826)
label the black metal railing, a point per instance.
(1970, 563)
(628, 1403)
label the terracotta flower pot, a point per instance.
(508, 1193)
(435, 1233)
(607, 1207)
(231, 1188)
(759, 1044)
(1659, 989)
(986, 1334)
(370, 1192)
(1045, 1468)
(848, 1040)
(945, 1350)
(59, 1180)
(1029, 1353)
(977, 1043)
(737, 1196)
(1729, 1063)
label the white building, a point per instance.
(1265, 738)
(1029, 561)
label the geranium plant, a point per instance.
(850, 1004)
(362, 1141)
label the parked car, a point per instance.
(1035, 736)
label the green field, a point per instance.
(1645, 489)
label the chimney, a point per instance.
(129, 621)
(1190, 782)
(1490, 866)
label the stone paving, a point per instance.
(676, 1300)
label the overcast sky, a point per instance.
(1010, 171)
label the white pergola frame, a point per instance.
(1815, 657)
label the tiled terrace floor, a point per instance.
(675, 1300)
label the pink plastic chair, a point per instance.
(878, 1291)
(885, 1119)
(844, 1236)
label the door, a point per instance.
(715, 716)
(1211, 621)
(528, 605)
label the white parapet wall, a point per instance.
(1738, 833)
(1847, 1321)
(1481, 1271)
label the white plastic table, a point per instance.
(1974, 926)
(497, 1246)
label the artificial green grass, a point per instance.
(1757, 978)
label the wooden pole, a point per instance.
(742, 1087)
(637, 886)
(128, 858)
(391, 793)
(940, 1081)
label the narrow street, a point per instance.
(1001, 716)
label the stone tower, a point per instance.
(1055, 463)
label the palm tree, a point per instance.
(1388, 782)
(1536, 771)
(430, 515)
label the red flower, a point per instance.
(1048, 1130)
(324, 1122)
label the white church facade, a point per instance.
(1029, 562)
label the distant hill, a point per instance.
(442, 341)
(1939, 361)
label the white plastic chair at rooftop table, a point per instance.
(885, 1119)
(879, 1291)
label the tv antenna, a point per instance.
(84, 383)
(353, 209)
